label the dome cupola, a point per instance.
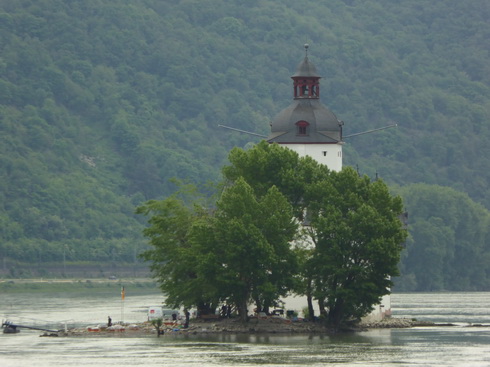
(306, 120)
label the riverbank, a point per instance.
(72, 270)
(270, 325)
(132, 285)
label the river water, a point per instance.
(461, 345)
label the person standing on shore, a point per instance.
(187, 316)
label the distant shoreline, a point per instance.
(41, 285)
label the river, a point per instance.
(460, 345)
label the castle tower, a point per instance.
(307, 126)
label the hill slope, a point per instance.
(102, 102)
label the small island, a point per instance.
(256, 325)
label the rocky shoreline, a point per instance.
(269, 325)
(394, 323)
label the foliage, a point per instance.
(157, 324)
(251, 248)
(269, 165)
(252, 235)
(449, 248)
(239, 253)
(102, 102)
(357, 234)
(174, 257)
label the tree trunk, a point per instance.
(335, 314)
(309, 299)
(311, 310)
(258, 305)
(267, 310)
(242, 310)
(321, 306)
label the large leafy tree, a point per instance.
(270, 164)
(357, 237)
(252, 237)
(353, 233)
(237, 254)
(179, 262)
(267, 165)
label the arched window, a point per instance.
(302, 127)
(304, 90)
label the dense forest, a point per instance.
(103, 103)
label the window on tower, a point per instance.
(302, 127)
(314, 90)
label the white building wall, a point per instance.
(380, 311)
(328, 154)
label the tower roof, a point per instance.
(306, 120)
(306, 69)
(323, 125)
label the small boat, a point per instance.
(9, 329)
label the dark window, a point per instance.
(302, 127)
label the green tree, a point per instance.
(252, 236)
(357, 238)
(449, 241)
(239, 254)
(267, 165)
(353, 224)
(177, 262)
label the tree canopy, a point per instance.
(237, 254)
(357, 233)
(252, 248)
(449, 244)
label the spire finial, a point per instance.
(306, 49)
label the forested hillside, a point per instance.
(103, 102)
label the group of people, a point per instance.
(225, 311)
(187, 316)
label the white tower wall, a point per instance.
(329, 155)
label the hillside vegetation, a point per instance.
(103, 102)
